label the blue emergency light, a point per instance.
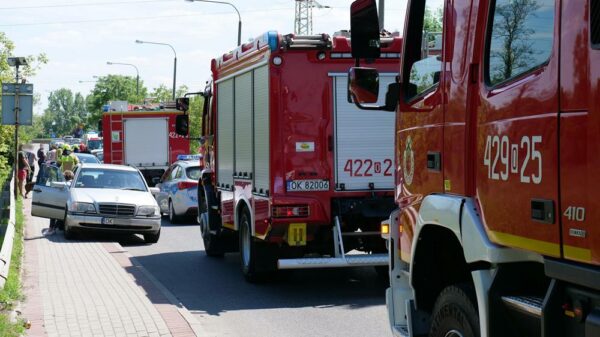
(189, 157)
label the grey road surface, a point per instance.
(336, 302)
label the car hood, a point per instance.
(107, 195)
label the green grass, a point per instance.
(12, 288)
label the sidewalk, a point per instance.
(86, 288)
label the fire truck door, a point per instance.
(517, 127)
(579, 134)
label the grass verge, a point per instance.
(12, 288)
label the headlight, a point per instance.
(148, 210)
(82, 207)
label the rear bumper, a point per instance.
(122, 225)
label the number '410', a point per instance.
(502, 158)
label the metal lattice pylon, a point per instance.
(303, 20)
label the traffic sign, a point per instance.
(25, 94)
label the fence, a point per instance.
(7, 231)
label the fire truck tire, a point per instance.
(455, 313)
(173, 217)
(213, 246)
(250, 251)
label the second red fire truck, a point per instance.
(294, 177)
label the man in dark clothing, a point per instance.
(30, 156)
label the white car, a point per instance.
(112, 198)
(178, 195)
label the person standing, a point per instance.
(52, 155)
(67, 160)
(22, 172)
(53, 222)
(31, 158)
(41, 154)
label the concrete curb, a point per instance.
(7, 244)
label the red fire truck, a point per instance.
(295, 177)
(497, 231)
(142, 137)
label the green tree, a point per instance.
(432, 22)
(196, 106)
(165, 94)
(113, 88)
(7, 75)
(65, 111)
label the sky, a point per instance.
(80, 36)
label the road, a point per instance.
(336, 302)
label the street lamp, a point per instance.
(174, 60)
(16, 62)
(239, 40)
(137, 85)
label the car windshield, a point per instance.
(94, 144)
(88, 159)
(193, 172)
(110, 178)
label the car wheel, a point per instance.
(173, 217)
(212, 243)
(69, 235)
(455, 313)
(152, 237)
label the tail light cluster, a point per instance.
(300, 211)
(184, 185)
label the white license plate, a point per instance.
(308, 185)
(108, 221)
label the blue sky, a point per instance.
(80, 36)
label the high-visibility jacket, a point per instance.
(68, 162)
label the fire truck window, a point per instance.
(520, 38)
(425, 72)
(595, 23)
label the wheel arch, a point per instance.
(241, 206)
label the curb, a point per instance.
(185, 314)
(7, 244)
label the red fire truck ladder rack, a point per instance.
(341, 258)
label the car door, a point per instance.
(49, 196)
(161, 196)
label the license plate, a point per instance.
(296, 235)
(308, 185)
(108, 221)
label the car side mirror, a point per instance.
(154, 190)
(182, 125)
(364, 29)
(363, 85)
(182, 104)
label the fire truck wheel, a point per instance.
(173, 217)
(454, 313)
(212, 243)
(249, 251)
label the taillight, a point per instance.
(291, 211)
(183, 185)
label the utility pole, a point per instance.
(303, 21)
(380, 7)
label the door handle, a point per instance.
(37, 190)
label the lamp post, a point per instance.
(174, 60)
(137, 81)
(239, 39)
(16, 62)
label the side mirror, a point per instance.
(182, 123)
(364, 29)
(154, 190)
(363, 85)
(182, 104)
(100, 126)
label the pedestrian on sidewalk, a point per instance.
(31, 159)
(22, 172)
(69, 175)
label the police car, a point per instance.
(178, 195)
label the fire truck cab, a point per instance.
(496, 231)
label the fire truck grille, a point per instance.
(117, 209)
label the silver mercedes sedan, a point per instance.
(100, 197)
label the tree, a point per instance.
(432, 21)
(113, 88)
(509, 27)
(196, 105)
(165, 94)
(65, 111)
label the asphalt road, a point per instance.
(335, 302)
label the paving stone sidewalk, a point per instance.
(87, 288)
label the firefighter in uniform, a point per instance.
(67, 160)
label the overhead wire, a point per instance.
(82, 4)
